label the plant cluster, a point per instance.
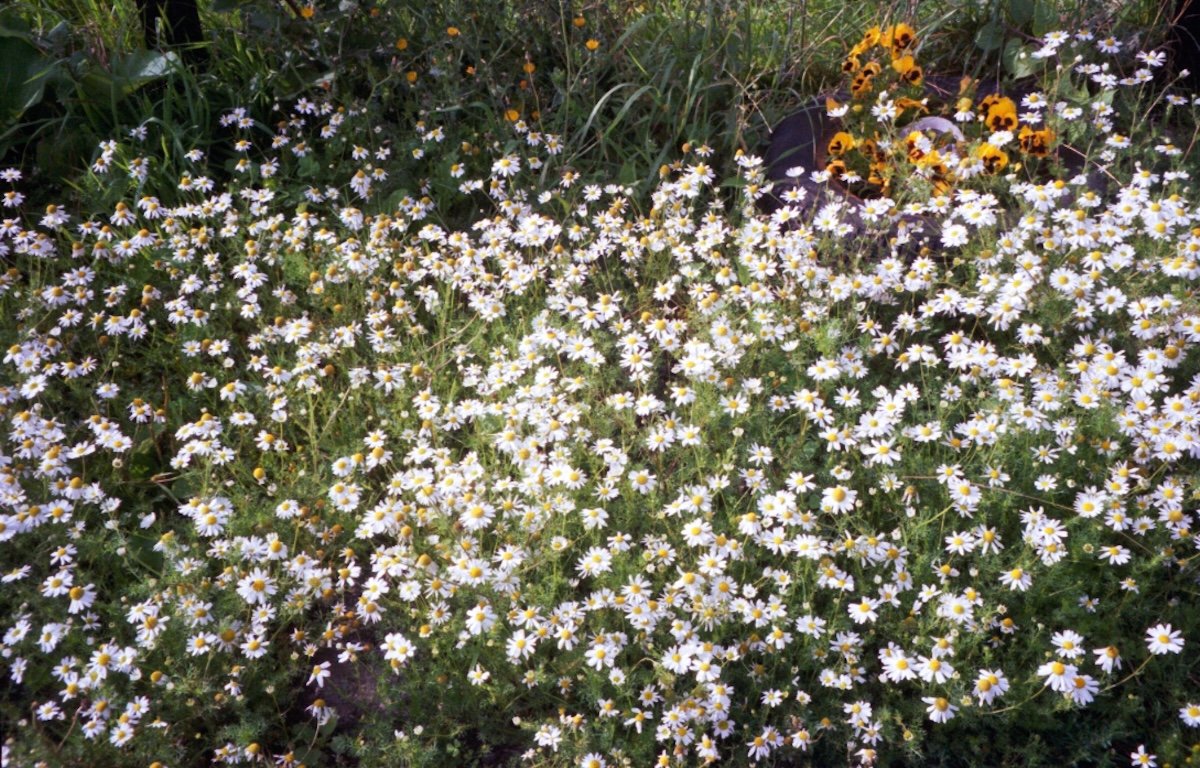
(606, 476)
(895, 129)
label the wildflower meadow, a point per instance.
(460, 384)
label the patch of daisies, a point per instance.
(647, 456)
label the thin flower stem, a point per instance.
(1128, 677)
(1011, 707)
(1001, 489)
(70, 728)
(1137, 543)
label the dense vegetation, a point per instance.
(398, 384)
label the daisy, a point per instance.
(934, 670)
(600, 656)
(254, 646)
(734, 405)
(954, 235)
(82, 598)
(1115, 554)
(863, 611)
(642, 481)
(507, 166)
(1162, 639)
(940, 709)
(520, 646)
(397, 649)
(1142, 758)
(256, 587)
(548, 735)
(1082, 689)
(202, 643)
(478, 675)
(898, 667)
(480, 619)
(838, 499)
(49, 711)
(697, 533)
(1058, 675)
(1016, 579)
(1068, 643)
(990, 685)
(595, 561)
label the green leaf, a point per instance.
(13, 24)
(990, 36)
(1076, 92)
(628, 173)
(185, 488)
(1017, 61)
(1021, 11)
(23, 75)
(127, 74)
(1045, 19)
(308, 167)
(59, 36)
(96, 86)
(136, 69)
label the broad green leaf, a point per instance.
(23, 74)
(96, 86)
(136, 69)
(1045, 19)
(127, 74)
(1021, 11)
(628, 173)
(1017, 61)
(59, 36)
(13, 24)
(185, 488)
(990, 37)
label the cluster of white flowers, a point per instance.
(739, 463)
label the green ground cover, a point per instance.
(430, 384)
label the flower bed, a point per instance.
(607, 477)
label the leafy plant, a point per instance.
(462, 408)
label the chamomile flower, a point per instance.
(1161, 639)
(939, 709)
